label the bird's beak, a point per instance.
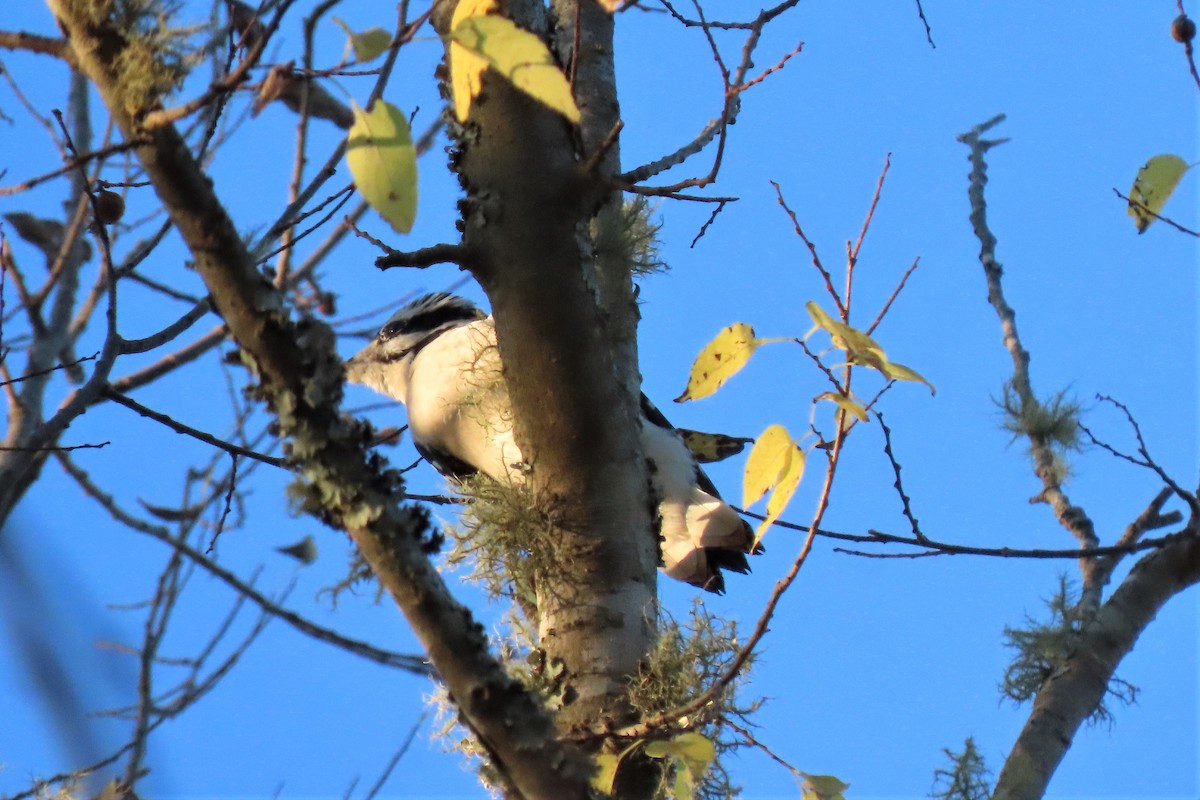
(354, 368)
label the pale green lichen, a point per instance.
(631, 237)
(687, 660)
(1042, 648)
(1053, 423)
(502, 539)
(155, 53)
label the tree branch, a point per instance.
(387, 658)
(1045, 466)
(179, 427)
(1072, 693)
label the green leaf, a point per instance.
(708, 448)
(1155, 182)
(518, 55)
(720, 360)
(383, 163)
(823, 787)
(368, 44)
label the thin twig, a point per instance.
(1167, 220)
(892, 298)
(229, 447)
(925, 22)
(1148, 460)
(816, 259)
(936, 547)
(414, 664)
(212, 543)
(708, 222)
(853, 251)
(899, 484)
(399, 754)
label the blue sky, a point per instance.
(872, 666)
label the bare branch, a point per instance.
(414, 664)
(899, 484)
(32, 43)
(1141, 207)
(932, 547)
(925, 22)
(425, 257)
(816, 260)
(169, 333)
(1070, 516)
(179, 427)
(892, 297)
(1146, 460)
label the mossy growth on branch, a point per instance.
(689, 658)
(156, 53)
(1053, 422)
(502, 539)
(1043, 647)
(631, 236)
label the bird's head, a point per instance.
(383, 365)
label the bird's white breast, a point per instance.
(458, 402)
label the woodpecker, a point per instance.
(438, 356)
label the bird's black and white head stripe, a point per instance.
(429, 313)
(421, 321)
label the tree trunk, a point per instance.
(527, 229)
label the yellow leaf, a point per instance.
(845, 403)
(367, 44)
(466, 68)
(720, 360)
(691, 754)
(383, 163)
(899, 372)
(789, 479)
(518, 55)
(1155, 182)
(696, 750)
(606, 775)
(769, 460)
(860, 348)
(708, 448)
(684, 787)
